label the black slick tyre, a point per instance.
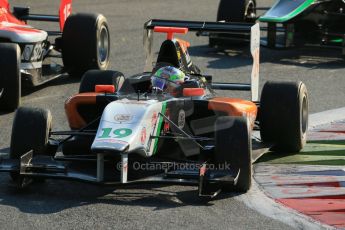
(284, 115)
(236, 11)
(85, 43)
(100, 77)
(233, 11)
(10, 81)
(233, 146)
(30, 131)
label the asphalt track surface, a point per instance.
(70, 205)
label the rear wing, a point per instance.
(252, 32)
(65, 10)
(199, 26)
(4, 4)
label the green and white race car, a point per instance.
(288, 23)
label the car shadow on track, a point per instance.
(65, 79)
(55, 196)
(313, 58)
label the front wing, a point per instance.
(100, 170)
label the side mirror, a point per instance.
(105, 89)
(193, 92)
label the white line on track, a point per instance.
(326, 117)
(256, 199)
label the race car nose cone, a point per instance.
(112, 146)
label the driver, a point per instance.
(167, 79)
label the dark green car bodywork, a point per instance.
(285, 10)
(289, 23)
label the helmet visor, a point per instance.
(159, 83)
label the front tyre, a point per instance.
(30, 131)
(233, 146)
(85, 43)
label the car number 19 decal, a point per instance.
(117, 133)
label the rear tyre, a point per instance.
(85, 43)
(234, 11)
(237, 11)
(30, 131)
(10, 82)
(233, 146)
(284, 115)
(100, 77)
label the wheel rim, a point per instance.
(103, 45)
(304, 112)
(250, 12)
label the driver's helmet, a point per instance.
(167, 79)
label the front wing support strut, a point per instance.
(100, 167)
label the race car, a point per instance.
(165, 125)
(32, 56)
(317, 23)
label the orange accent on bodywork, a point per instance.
(184, 44)
(234, 107)
(74, 119)
(105, 89)
(170, 31)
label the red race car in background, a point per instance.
(31, 56)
